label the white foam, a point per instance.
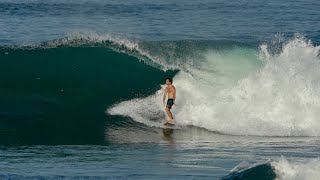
(302, 170)
(146, 111)
(238, 93)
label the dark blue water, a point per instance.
(80, 89)
(246, 21)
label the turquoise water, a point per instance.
(81, 84)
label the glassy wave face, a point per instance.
(76, 89)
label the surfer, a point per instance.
(171, 91)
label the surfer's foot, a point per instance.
(170, 121)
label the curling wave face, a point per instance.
(56, 92)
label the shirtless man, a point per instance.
(171, 90)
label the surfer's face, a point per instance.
(167, 82)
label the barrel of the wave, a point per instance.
(40, 106)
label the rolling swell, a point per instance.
(280, 168)
(262, 171)
(57, 93)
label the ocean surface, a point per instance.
(81, 85)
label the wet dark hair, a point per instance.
(170, 79)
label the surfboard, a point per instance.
(168, 124)
(168, 129)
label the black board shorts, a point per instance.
(170, 103)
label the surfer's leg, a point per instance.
(169, 113)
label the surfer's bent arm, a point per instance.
(174, 95)
(164, 95)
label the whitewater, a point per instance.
(272, 90)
